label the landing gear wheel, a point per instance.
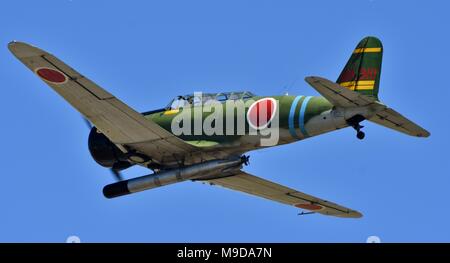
(360, 135)
(354, 122)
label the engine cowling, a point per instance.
(106, 153)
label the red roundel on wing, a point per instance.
(311, 207)
(261, 112)
(51, 75)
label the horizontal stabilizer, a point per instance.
(391, 119)
(342, 97)
(337, 95)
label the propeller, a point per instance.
(114, 170)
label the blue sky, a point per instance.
(147, 52)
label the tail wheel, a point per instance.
(354, 122)
(360, 135)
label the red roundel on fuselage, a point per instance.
(51, 75)
(261, 113)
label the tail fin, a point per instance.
(362, 71)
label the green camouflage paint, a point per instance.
(315, 106)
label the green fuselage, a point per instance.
(300, 117)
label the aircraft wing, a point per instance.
(120, 123)
(337, 95)
(250, 184)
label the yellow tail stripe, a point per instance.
(367, 50)
(360, 85)
(361, 82)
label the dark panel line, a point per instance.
(71, 78)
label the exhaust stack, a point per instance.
(171, 176)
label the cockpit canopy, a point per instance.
(202, 98)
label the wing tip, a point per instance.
(350, 214)
(12, 45)
(22, 49)
(424, 134)
(355, 214)
(312, 79)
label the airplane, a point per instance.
(122, 137)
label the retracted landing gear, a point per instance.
(354, 122)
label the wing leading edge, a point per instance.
(254, 185)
